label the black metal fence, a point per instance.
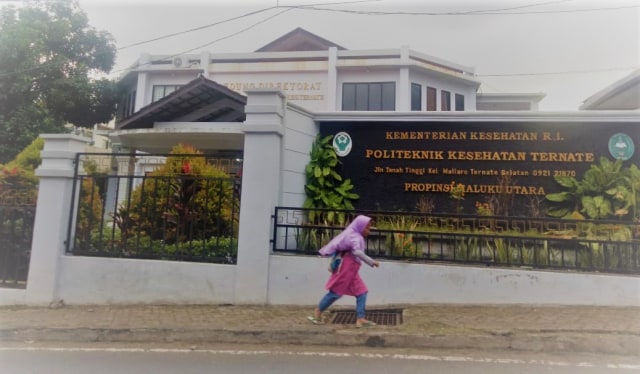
(164, 207)
(17, 216)
(578, 245)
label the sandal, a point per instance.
(366, 324)
(315, 321)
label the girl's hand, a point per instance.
(376, 264)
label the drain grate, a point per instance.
(386, 317)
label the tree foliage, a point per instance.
(18, 180)
(21, 171)
(49, 56)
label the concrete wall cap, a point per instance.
(251, 109)
(57, 154)
(65, 137)
(54, 173)
(263, 128)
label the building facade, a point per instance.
(266, 108)
(200, 99)
(321, 76)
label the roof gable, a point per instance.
(201, 100)
(299, 40)
(623, 94)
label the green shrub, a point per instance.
(400, 241)
(89, 208)
(185, 199)
(18, 180)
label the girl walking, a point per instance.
(349, 245)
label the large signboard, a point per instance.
(394, 165)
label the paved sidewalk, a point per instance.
(611, 330)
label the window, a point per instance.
(369, 96)
(431, 99)
(160, 91)
(459, 102)
(416, 96)
(128, 104)
(445, 100)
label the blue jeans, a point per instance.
(330, 298)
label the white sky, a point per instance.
(550, 46)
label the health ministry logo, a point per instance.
(621, 146)
(342, 144)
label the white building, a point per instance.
(201, 100)
(315, 74)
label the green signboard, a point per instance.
(400, 165)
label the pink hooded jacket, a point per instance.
(346, 280)
(349, 239)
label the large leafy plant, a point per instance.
(325, 188)
(607, 190)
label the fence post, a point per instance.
(52, 214)
(261, 180)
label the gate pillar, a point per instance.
(261, 183)
(52, 215)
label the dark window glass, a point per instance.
(368, 96)
(126, 106)
(362, 96)
(459, 102)
(375, 97)
(132, 104)
(445, 100)
(416, 96)
(349, 96)
(160, 91)
(388, 96)
(431, 99)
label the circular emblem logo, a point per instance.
(621, 146)
(342, 144)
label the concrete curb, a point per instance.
(547, 341)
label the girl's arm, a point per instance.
(363, 256)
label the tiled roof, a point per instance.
(299, 40)
(201, 100)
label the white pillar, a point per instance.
(52, 214)
(404, 86)
(261, 181)
(141, 87)
(205, 61)
(332, 81)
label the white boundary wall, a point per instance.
(281, 137)
(296, 280)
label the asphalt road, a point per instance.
(133, 359)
